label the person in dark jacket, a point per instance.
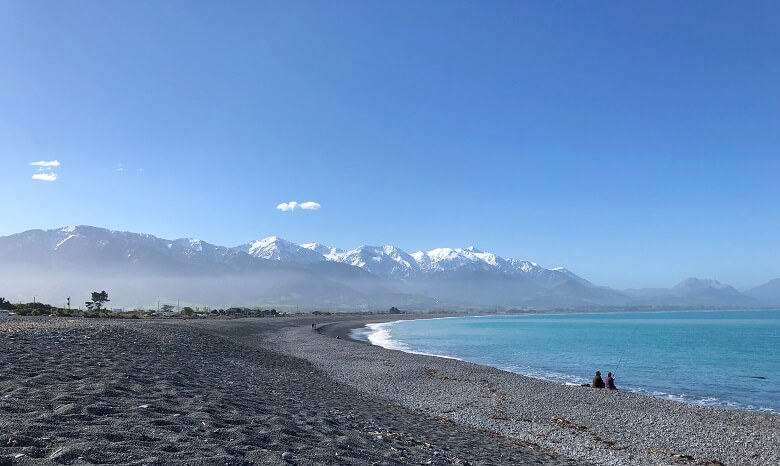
(611, 381)
(598, 382)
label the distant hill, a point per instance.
(709, 293)
(768, 293)
(693, 292)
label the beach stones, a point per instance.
(287, 456)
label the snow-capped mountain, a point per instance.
(143, 267)
(267, 270)
(387, 261)
(449, 259)
(390, 261)
(322, 249)
(278, 249)
(139, 268)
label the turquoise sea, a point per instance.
(727, 359)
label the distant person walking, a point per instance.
(598, 382)
(611, 381)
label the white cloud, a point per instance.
(310, 205)
(45, 170)
(42, 163)
(51, 176)
(292, 205)
(287, 206)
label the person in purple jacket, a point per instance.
(610, 382)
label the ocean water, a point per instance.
(727, 359)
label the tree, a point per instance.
(167, 307)
(395, 310)
(99, 298)
(6, 305)
(188, 311)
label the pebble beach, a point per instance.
(277, 391)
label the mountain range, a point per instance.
(138, 269)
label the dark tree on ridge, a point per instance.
(99, 298)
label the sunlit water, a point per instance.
(728, 359)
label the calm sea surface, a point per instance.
(728, 359)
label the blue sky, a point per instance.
(635, 143)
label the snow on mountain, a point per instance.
(449, 259)
(278, 249)
(63, 241)
(385, 260)
(323, 250)
(390, 261)
(525, 266)
(552, 276)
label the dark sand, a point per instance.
(81, 391)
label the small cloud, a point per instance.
(42, 163)
(45, 170)
(287, 206)
(292, 205)
(45, 176)
(310, 205)
(119, 169)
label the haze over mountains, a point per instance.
(137, 269)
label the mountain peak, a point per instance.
(279, 249)
(700, 283)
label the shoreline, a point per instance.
(344, 330)
(570, 420)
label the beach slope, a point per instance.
(89, 391)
